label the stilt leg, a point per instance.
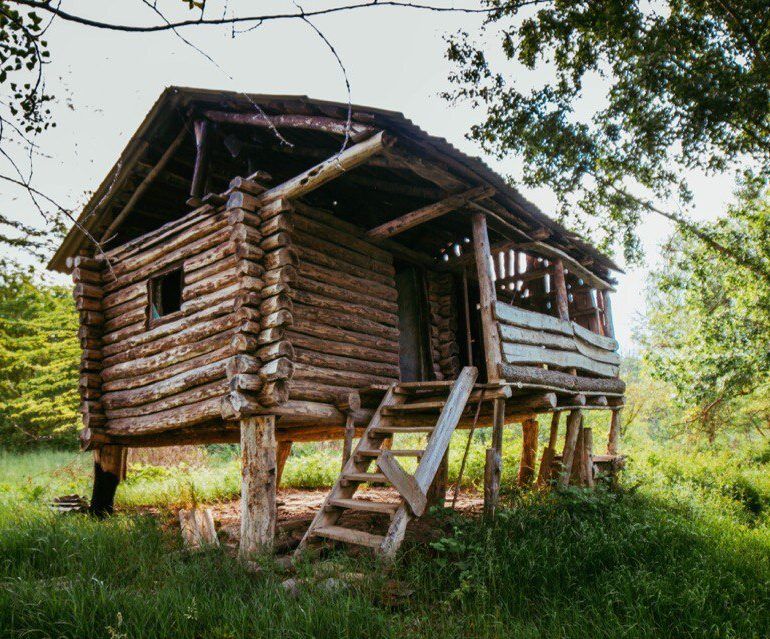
(494, 460)
(109, 469)
(347, 445)
(284, 450)
(436, 495)
(570, 441)
(528, 452)
(258, 484)
(588, 457)
(613, 442)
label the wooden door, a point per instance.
(413, 325)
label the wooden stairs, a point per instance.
(403, 410)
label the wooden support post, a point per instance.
(347, 444)
(577, 477)
(436, 495)
(613, 441)
(488, 297)
(546, 460)
(588, 457)
(109, 469)
(528, 452)
(494, 460)
(200, 171)
(282, 454)
(560, 286)
(570, 441)
(258, 484)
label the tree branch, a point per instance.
(69, 17)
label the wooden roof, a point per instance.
(371, 194)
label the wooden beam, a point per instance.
(575, 267)
(488, 297)
(613, 441)
(145, 184)
(570, 443)
(258, 484)
(493, 468)
(528, 452)
(430, 212)
(321, 173)
(314, 122)
(200, 172)
(560, 286)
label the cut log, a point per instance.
(258, 485)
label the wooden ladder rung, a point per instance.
(350, 536)
(403, 429)
(386, 507)
(414, 407)
(397, 452)
(405, 387)
(366, 477)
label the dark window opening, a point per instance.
(166, 294)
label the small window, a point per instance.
(165, 294)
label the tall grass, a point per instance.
(684, 551)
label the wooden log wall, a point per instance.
(345, 313)
(443, 325)
(88, 293)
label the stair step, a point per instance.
(397, 452)
(367, 477)
(386, 507)
(350, 536)
(402, 429)
(414, 407)
(407, 387)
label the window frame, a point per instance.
(152, 322)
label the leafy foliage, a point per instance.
(39, 355)
(708, 327)
(685, 86)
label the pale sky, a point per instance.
(106, 82)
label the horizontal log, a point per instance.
(110, 339)
(246, 382)
(538, 376)
(520, 354)
(188, 415)
(243, 343)
(275, 320)
(207, 258)
(125, 294)
(275, 241)
(191, 334)
(309, 372)
(316, 392)
(357, 298)
(87, 290)
(346, 330)
(84, 275)
(275, 350)
(171, 245)
(161, 234)
(336, 362)
(248, 251)
(277, 369)
(242, 364)
(277, 224)
(342, 348)
(223, 264)
(199, 372)
(334, 318)
(388, 321)
(91, 318)
(200, 303)
(125, 308)
(270, 335)
(84, 262)
(167, 357)
(170, 328)
(243, 216)
(286, 275)
(186, 250)
(341, 253)
(131, 317)
(216, 389)
(319, 257)
(281, 257)
(88, 304)
(210, 284)
(243, 233)
(276, 303)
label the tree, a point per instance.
(39, 355)
(707, 330)
(686, 85)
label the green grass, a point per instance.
(683, 552)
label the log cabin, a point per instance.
(271, 269)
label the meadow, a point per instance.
(683, 550)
